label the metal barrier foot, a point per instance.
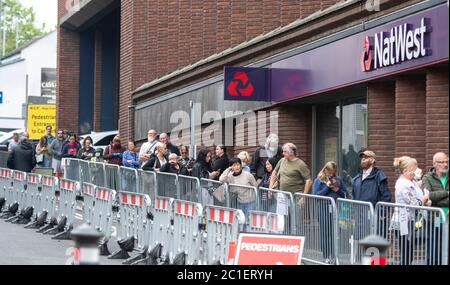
(2, 203)
(65, 235)
(126, 245)
(165, 261)
(24, 216)
(12, 219)
(40, 222)
(142, 255)
(50, 225)
(12, 210)
(104, 251)
(119, 254)
(59, 228)
(180, 259)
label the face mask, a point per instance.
(244, 165)
(444, 171)
(273, 149)
(418, 174)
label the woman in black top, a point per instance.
(87, 152)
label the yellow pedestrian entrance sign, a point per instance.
(38, 117)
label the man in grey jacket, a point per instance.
(56, 151)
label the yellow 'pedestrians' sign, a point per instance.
(40, 116)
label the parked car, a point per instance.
(100, 139)
(7, 138)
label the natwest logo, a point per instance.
(240, 85)
(401, 44)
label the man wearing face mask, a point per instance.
(371, 184)
(148, 148)
(270, 150)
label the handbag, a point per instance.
(419, 227)
(39, 158)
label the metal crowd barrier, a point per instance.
(128, 180)
(5, 187)
(88, 193)
(97, 173)
(189, 188)
(187, 217)
(316, 218)
(243, 197)
(214, 193)
(112, 176)
(34, 198)
(222, 226)
(167, 185)
(49, 200)
(133, 223)
(71, 168)
(445, 243)
(147, 183)
(66, 209)
(85, 176)
(416, 234)
(103, 215)
(161, 234)
(279, 202)
(355, 221)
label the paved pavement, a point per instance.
(20, 246)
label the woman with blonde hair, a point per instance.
(245, 158)
(408, 193)
(328, 184)
(157, 159)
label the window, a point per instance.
(340, 132)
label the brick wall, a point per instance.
(162, 36)
(381, 120)
(67, 75)
(410, 117)
(437, 129)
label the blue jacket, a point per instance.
(321, 189)
(127, 155)
(373, 189)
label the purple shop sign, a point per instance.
(261, 84)
(409, 43)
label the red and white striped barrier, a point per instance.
(5, 173)
(162, 203)
(103, 194)
(33, 178)
(88, 189)
(19, 176)
(185, 208)
(222, 215)
(67, 185)
(258, 220)
(132, 199)
(48, 181)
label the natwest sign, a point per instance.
(402, 43)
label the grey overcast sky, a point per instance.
(45, 11)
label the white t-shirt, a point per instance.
(148, 148)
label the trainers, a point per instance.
(330, 261)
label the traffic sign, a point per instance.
(259, 249)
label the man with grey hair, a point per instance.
(270, 150)
(291, 173)
(164, 138)
(14, 142)
(148, 148)
(437, 183)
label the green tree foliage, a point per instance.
(16, 16)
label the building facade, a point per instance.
(365, 76)
(27, 75)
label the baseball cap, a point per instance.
(367, 153)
